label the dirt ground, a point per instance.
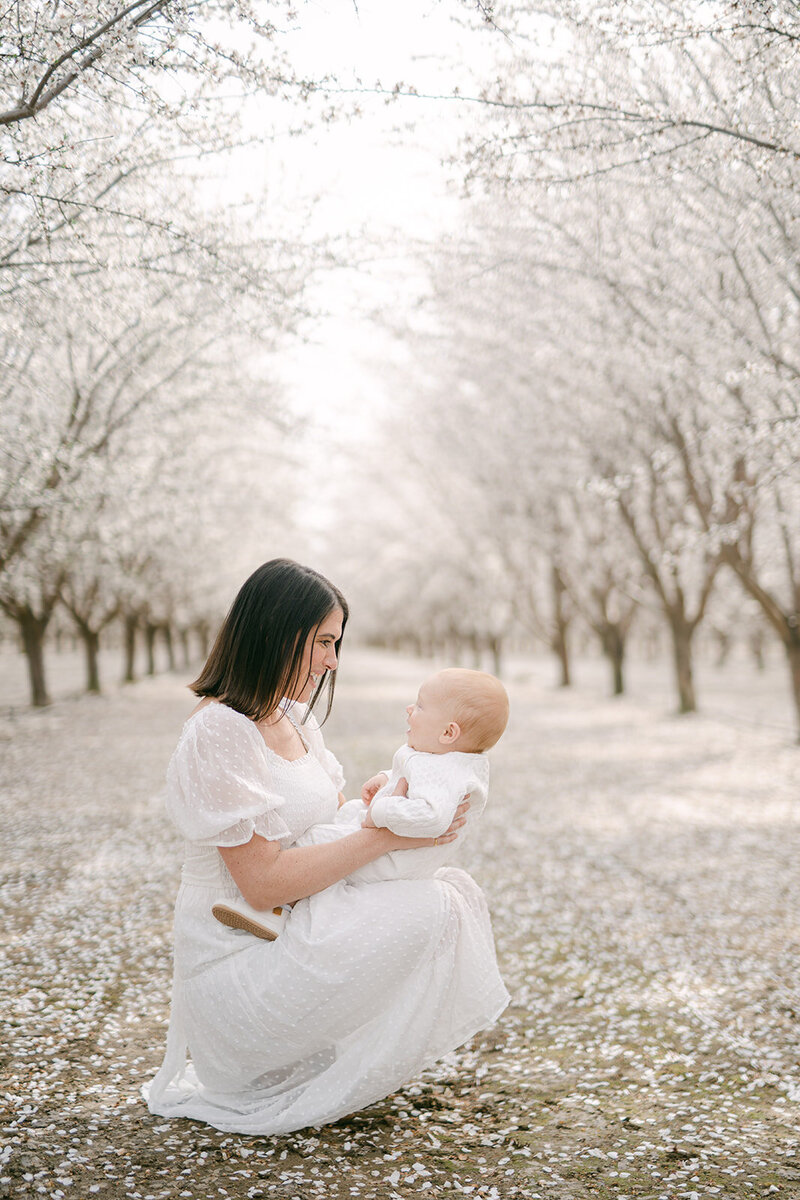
(642, 872)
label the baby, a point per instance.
(457, 716)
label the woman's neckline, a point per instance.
(284, 704)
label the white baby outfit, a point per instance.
(367, 984)
(437, 783)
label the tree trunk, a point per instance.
(682, 632)
(150, 632)
(558, 642)
(562, 654)
(651, 645)
(91, 645)
(168, 642)
(757, 640)
(204, 637)
(130, 625)
(33, 629)
(186, 650)
(724, 642)
(793, 653)
(477, 653)
(613, 641)
(496, 647)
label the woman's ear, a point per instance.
(451, 734)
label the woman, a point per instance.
(367, 983)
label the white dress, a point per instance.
(367, 984)
(437, 783)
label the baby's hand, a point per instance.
(402, 787)
(373, 785)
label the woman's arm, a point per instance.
(267, 875)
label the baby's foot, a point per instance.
(238, 914)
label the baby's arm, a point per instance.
(426, 809)
(374, 785)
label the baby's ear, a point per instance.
(451, 734)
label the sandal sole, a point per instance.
(235, 920)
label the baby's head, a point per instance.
(457, 710)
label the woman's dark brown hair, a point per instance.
(257, 656)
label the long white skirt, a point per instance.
(367, 984)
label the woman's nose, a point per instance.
(331, 660)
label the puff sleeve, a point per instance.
(218, 784)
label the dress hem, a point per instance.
(190, 1108)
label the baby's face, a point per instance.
(430, 716)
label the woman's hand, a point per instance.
(458, 822)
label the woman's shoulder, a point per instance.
(210, 709)
(216, 724)
(220, 787)
(213, 712)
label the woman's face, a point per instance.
(319, 655)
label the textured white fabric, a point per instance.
(436, 785)
(366, 985)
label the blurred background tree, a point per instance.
(582, 424)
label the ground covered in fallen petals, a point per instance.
(642, 872)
